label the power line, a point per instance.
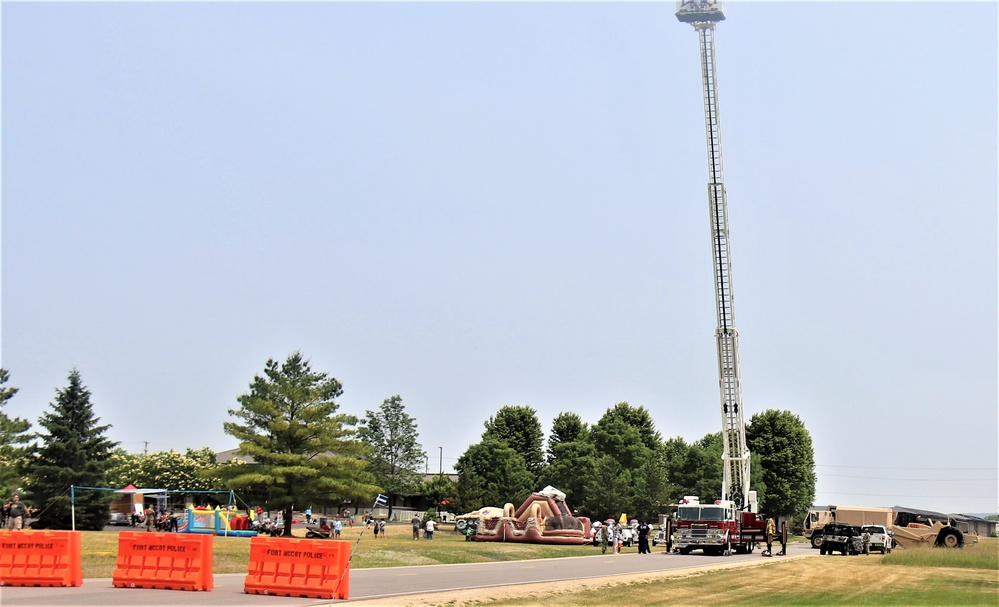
(951, 496)
(897, 468)
(923, 480)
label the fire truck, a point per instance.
(731, 523)
(721, 528)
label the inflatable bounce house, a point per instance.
(215, 522)
(543, 518)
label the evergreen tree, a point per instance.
(303, 452)
(443, 491)
(74, 452)
(396, 456)
(14, 442)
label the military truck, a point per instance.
(908, 530)
(857, 516)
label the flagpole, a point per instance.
(378, 498)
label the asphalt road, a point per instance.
(384, 582)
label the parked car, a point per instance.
(841, 537)
(880, 537)
(596, 529)
(120, 520)
(629, 535)
(660, 537)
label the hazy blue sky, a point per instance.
(474, 205)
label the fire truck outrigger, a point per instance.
(731, 523)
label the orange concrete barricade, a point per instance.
(40, 558)
(172, 561)
(301, 568)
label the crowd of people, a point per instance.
(612, 534)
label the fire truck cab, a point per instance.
(720, 528)
(713, 527)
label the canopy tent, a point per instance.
(131, 489)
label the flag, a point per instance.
(381, 500)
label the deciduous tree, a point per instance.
(192, 470)
(396, 455)
(571, 466)
(519, 427)
(492, 473)
(786, 461)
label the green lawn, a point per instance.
(967, 577)
(232, 554)
(926, 577)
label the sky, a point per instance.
(474, 205)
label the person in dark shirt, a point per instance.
(16, 512)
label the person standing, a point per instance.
(615, 538)
(770, 531)
(150, 517)
(376, 531)
(605, 535)
(16, 513)
(308, 515)
(416, 527)
(337, 527)
(643, 538)
(430, 529)
(381, 528)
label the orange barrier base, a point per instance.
(315, 569)
(168, 561)
(40, 558)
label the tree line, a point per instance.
(297, 448)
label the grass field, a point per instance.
(232, 554)
(967, 577)
(925, 577)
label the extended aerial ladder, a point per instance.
(703, 15)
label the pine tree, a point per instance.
(304, 452)
(75, 453)
(14, 439)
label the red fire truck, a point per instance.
(731, 523)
